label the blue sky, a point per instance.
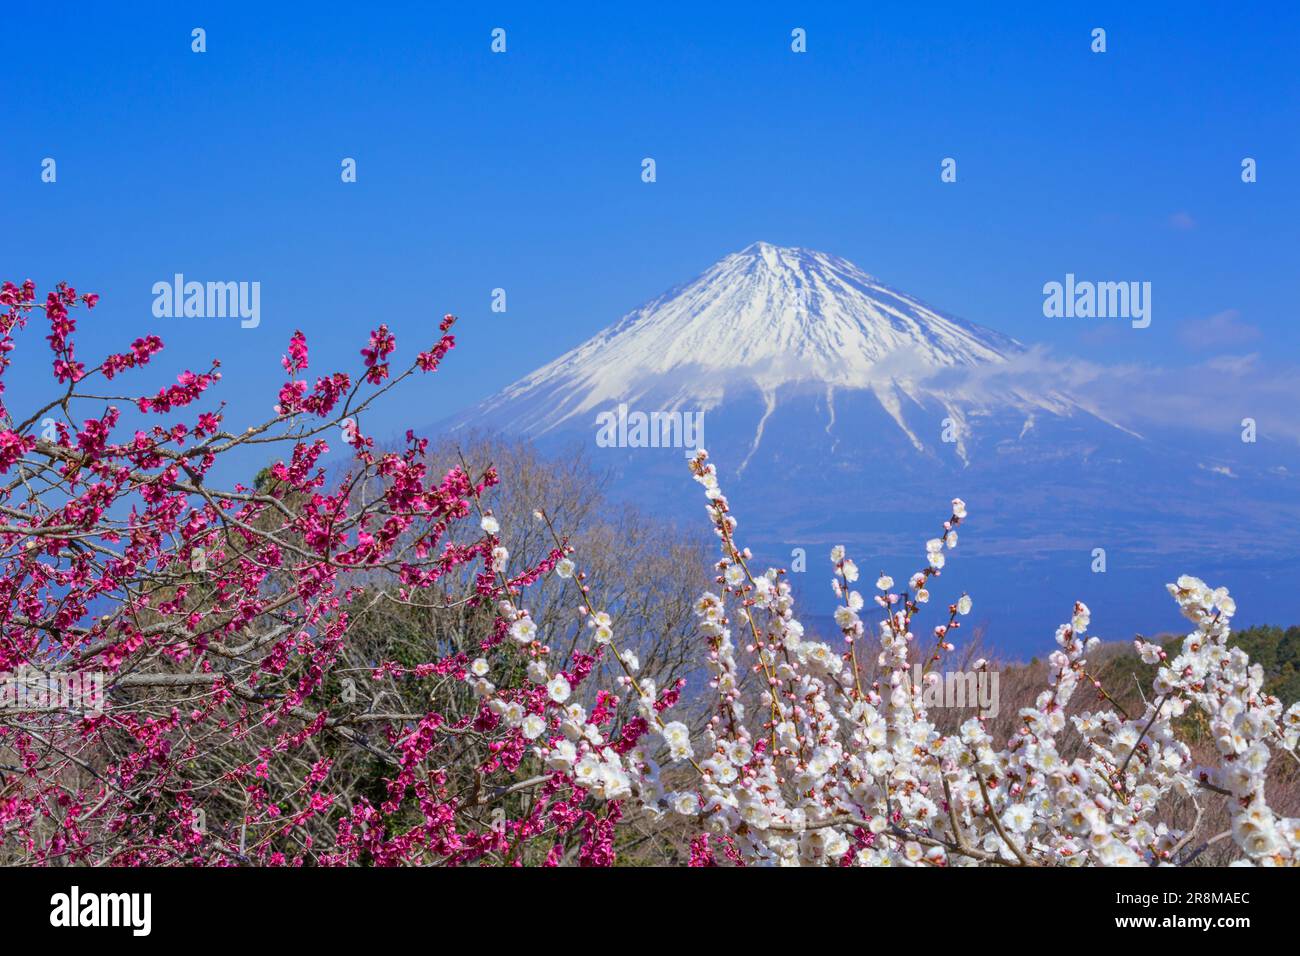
(522, 170)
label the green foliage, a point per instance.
(1278, 652)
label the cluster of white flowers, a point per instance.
(827, 766)
(564, 735)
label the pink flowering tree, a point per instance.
(240, 713)
(220, 702)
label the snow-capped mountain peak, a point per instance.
(767, 316)
(784, 314)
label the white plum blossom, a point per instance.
(533, 726)
(562, 756)
(523, 630)
(558, 689)
(687, 804)
(1018, 818)
(678, 739)
(1150, 653)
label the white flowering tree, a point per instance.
(824, 767)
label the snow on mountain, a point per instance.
(776, 322)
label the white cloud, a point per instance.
(1217, 331)
(1218, 470)
(1213, 395)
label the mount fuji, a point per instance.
(841, 410)
(779, 324)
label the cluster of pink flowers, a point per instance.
(218, 616)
